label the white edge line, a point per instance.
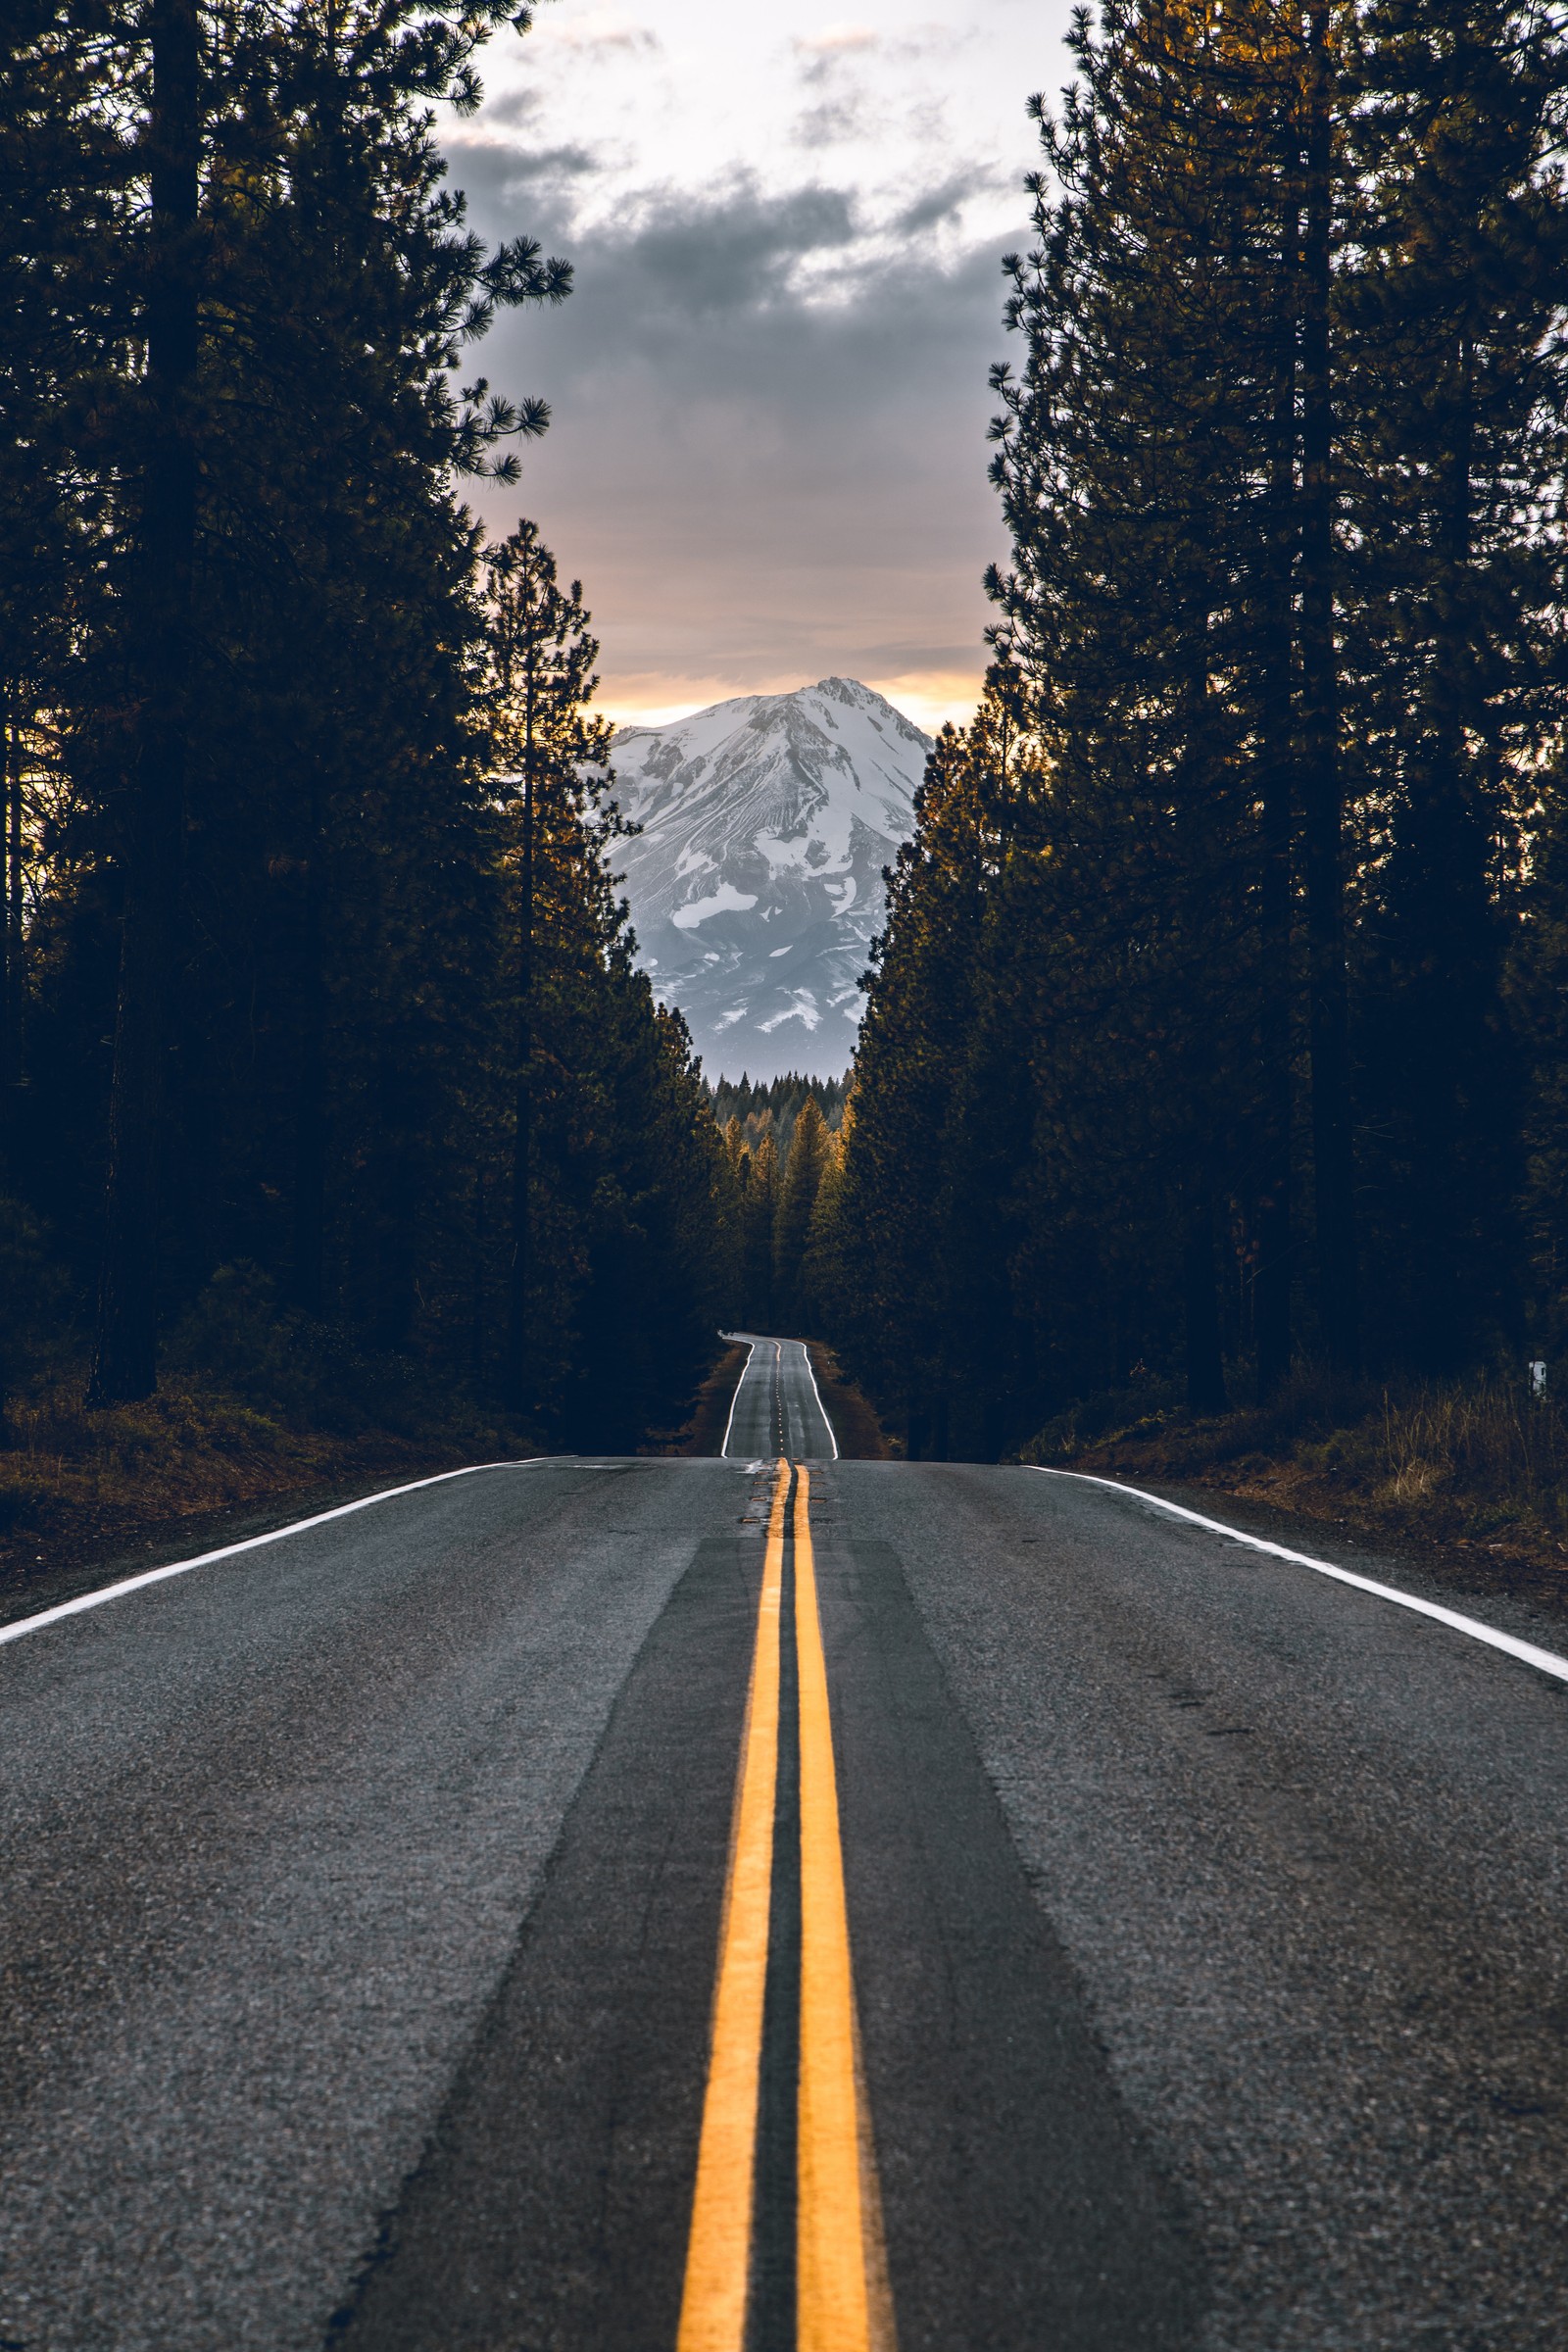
(1548, 1660)
(227, 1551)
(735, 1399)
(805, 1350)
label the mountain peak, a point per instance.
(756, 884)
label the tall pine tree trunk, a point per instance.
(1202, 1089)
(1273, 1284)
(310, 1100)
(479, 1235)
(1205, 1358)
(1457, 1061)
(126, 1357)
(11, 1064)
(516, 1380)
(1322, 796)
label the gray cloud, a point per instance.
(511, 109)
(602, 40)
(831, 123)
(942, 203)
(757, 481)
(513, 171)
(731, 252)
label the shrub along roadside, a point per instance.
(261, 1406)
(1481, 1463)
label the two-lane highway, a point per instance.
(776, 1408)
(778, 1901)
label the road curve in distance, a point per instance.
(777, 1409)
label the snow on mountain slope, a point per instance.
(756, 884)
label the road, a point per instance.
(777, 1408)
(1093, 1933)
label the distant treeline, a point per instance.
(775, 1105)
(783, 1204)
(323, 1066)
(1221, 1020)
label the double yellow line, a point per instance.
(842, 2303)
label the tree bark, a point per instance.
(126, 1357)
(1322, 794)
(1459, 1056)
(1273, 1280)
(521, 1272)
(1206, 1362)
(309, 1114)
(11, 925)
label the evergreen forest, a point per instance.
(325, 1072)
(1216, 1039)
(774, 1105)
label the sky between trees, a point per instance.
(769, 390)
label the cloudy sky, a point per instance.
(767, 461)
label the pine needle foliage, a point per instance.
(1212, 1028)
(267, 994)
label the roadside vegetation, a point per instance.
(1210, 1098)
(859, 1434)
(335, 1120)
(256, 1404)
(1208, 1116)
(1481, 1462)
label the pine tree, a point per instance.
(1128, 469)
(248, 138)
(824, 1275)
(1458, 439)
(792, 1224)
(759, 1207)
(902, 1317)
(1277, 632)
(334, 1069)
(543, 741)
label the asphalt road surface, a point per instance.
(660, 1904)
(777, 1410)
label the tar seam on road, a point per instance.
(227, 1551)
(836, 2277)
(712, 2312)
(1546, 1660)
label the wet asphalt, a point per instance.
(361, 1896)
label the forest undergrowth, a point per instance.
(256, 1406)
(337, 1123)
(1481, 1463)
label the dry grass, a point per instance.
(77, 1485)
(1489, 1451)
(1475, 1462)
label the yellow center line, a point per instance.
(712, 2311)
(842, 2304)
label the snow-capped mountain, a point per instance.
(756, 883)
